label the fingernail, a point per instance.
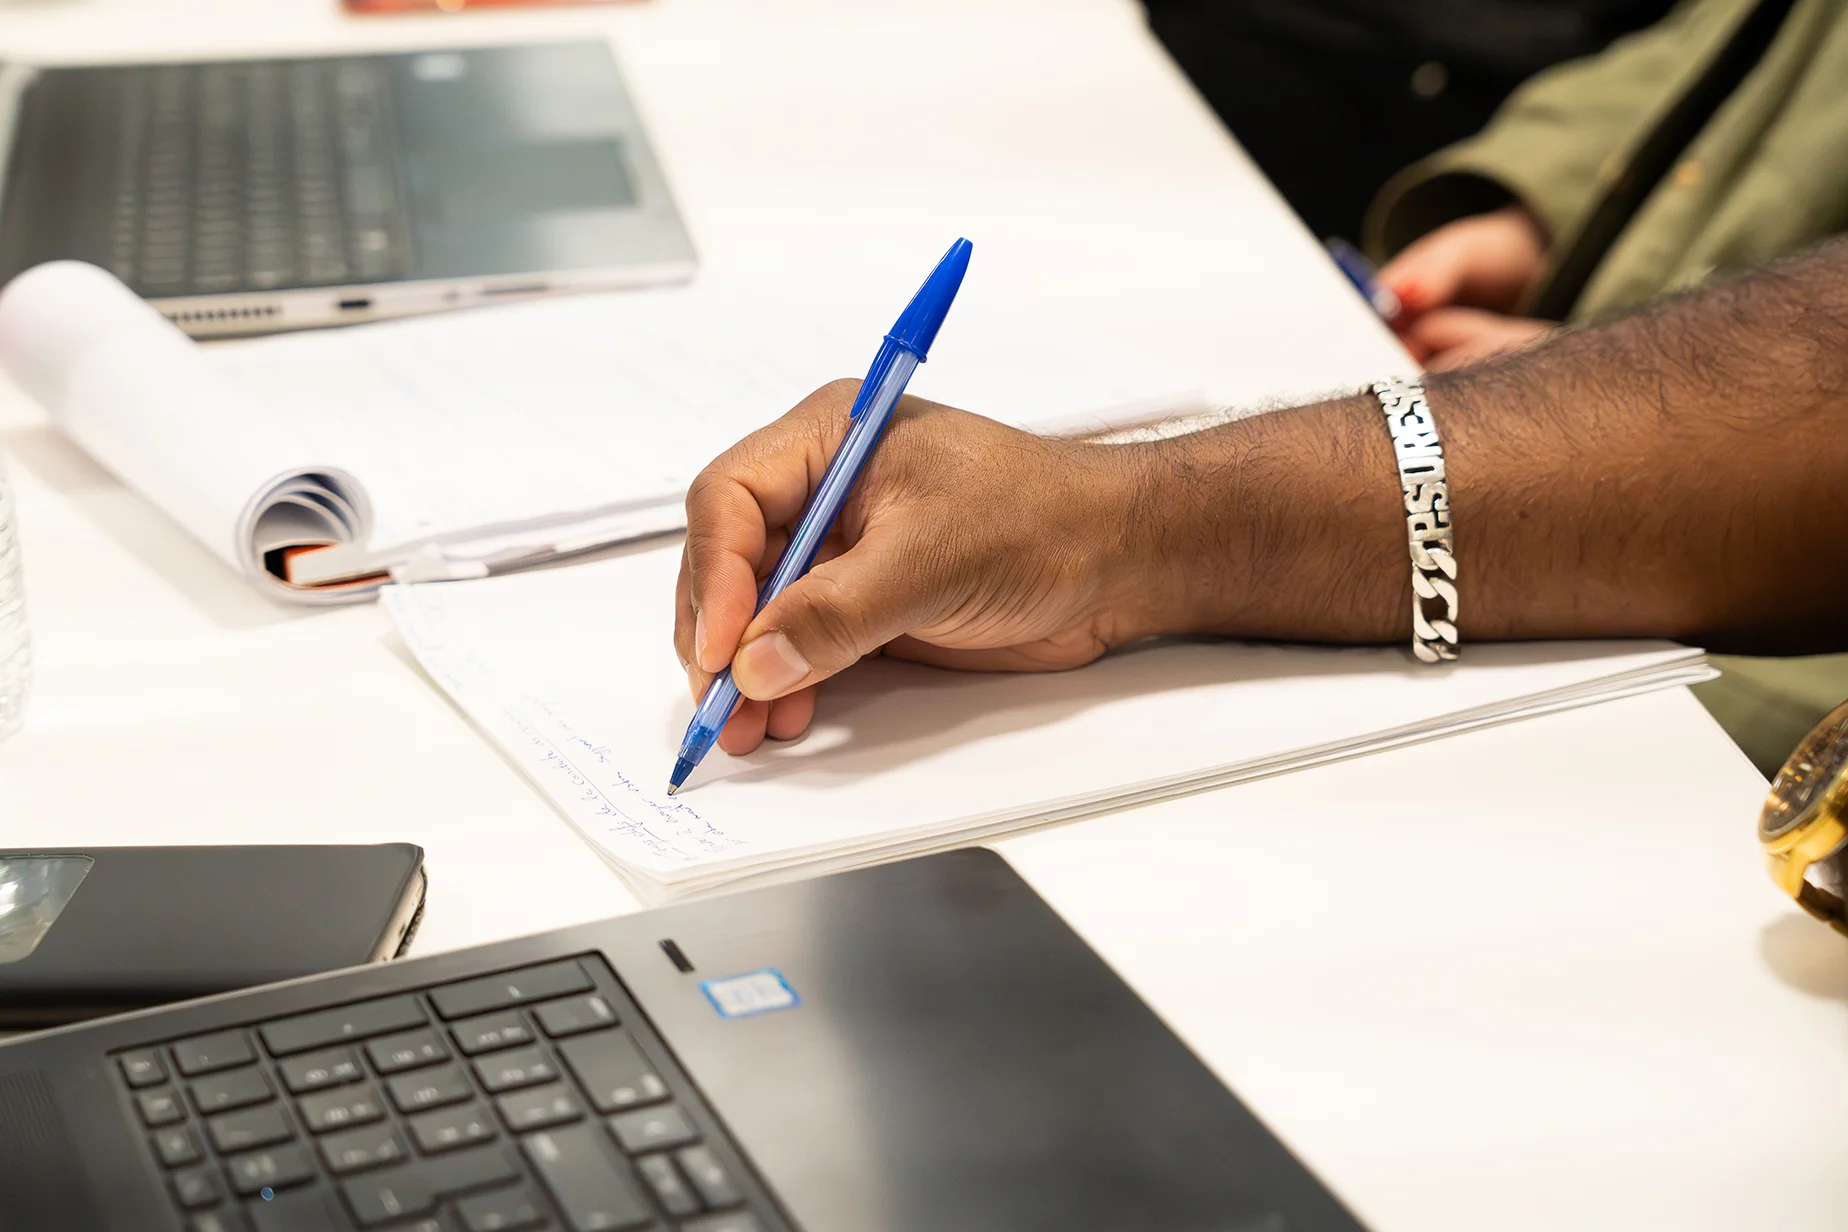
(699, 637)
(769, 666)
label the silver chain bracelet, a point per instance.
(1427, 516)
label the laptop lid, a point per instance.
(928, 1046)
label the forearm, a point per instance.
(1673, 473)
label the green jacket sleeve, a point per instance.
(1562, 139)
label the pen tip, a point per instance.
(672, 788)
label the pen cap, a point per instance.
(923, 316)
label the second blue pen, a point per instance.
(904, 348)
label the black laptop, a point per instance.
(922, 1046)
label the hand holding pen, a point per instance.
(966, 544)
(904, 348)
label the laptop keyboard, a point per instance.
(529, 1099)
(255, 176)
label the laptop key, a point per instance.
(612, 1071)
(537, 1109)
(411, 1050)
(359, 1149)
(237, 1089)
(159, 1108)
(460, 1171)
(387, 1196)
(406, 1192)
(491, 1031)
(326, 270)
(493, 992)
(143, 1068)
(176, 1146)
(523, 1067)
(227, 1220)
(276, 1168)
(669, 1189)
(341, 1109)
(738, 1221)
(300, 1210)
(502, 1211)
(574, 1014)
(207, 1053)
(319, 1070)
(449, 1128)
(240, 1131)
(349, 1022)
(197, 1187)
(589, 1184)
(430, 1089)
(651, 1129)
(709, 1177)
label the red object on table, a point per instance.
(451, 6)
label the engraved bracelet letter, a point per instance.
(1427, 517)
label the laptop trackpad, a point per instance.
(943, 1053)
(502, 206)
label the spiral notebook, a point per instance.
(319, 464)
(571, 674)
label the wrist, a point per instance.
(1282, 525)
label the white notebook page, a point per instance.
(583, 403)
(901, 755)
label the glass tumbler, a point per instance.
(15, 645)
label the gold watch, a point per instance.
(1804, 826)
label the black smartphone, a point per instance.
(99, 930)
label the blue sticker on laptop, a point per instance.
(754, 992)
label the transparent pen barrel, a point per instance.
(886, 381)
(15, 646)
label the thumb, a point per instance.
(830, 618)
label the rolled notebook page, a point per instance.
(139, 396)
(489, 440)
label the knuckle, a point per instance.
(822, 405)
(832, 624)
(702, 547)
(703, 492)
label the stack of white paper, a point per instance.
(572, 673)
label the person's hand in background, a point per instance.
(966, 544)
(1458, 287)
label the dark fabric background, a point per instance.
(1320, 91)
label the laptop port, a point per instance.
(354, 305)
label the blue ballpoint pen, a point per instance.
(1361, 273)
(899, 356)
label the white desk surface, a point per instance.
(1528, 978)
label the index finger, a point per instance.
(762, 482)
(1428, 274)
